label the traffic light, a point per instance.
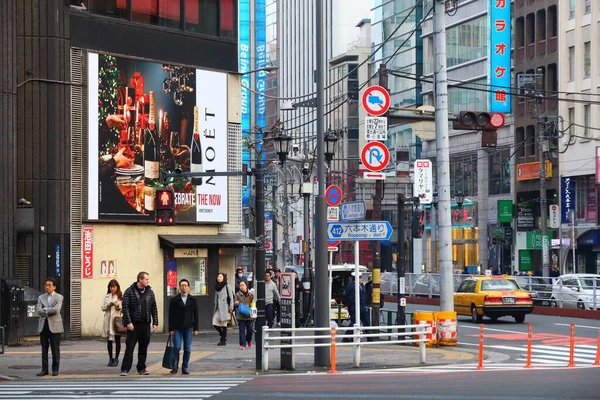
(165, 207)
(479, 121)
(418, 224)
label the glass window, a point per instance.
(195, 271)
(587, 59)
(588, 7)
(571, 121)
(499, 284)
(228, 12)
(571, 63)
(464, 97)
(157, 12)
(571, 9)
(471, 287)
(499, 172)
(463, 174)
(587, 117)
(467, 41)
(114, 8)
(202, 18)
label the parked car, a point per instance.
(539, 288)
(492, 297)
(576, 291)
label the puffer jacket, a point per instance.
(132, 311)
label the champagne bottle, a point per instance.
(151, 158)
(196, 151)
(124, 134)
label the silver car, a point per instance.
(577, 291)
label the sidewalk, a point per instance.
(87, 358)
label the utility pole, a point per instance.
(259, 181)
(383, 81)
(542, 148)
(321, 270)
(442, 141)
(306, 191)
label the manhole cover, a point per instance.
(24, 367)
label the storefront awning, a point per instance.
(183, 241)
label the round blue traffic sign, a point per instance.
(333, 195)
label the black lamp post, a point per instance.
(282, 145)
(330, 143)
(460, 199)
(259, 175)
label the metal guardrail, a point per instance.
(545, 291)
(419, 333)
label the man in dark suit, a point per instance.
(50, 325)
(183, 321)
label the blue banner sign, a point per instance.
(245, 65)
(567, 197)
(260, 105)
(499, 55)
(371, 230)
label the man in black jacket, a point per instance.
(183, 321)
(139, 309)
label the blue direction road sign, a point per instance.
(350, 231)
(353, 210)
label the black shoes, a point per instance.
(222, 343)
(54, 373)
(42, 373)
(113, 362)
(185, 372)
(174, 371)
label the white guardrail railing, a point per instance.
(568, 291)
(417, 332)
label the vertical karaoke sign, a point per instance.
(499, 55)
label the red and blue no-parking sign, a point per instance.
(333, 195)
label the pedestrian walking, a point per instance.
(183, 322)
(245, 322)
(239, 277)
(271, 296)
(50, 325)
(223, 307)
(112, 308)
(298, 290)
(139, 310)
(351, 304)
(277, 304)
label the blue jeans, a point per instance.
(186, 336)
(270, 314)
(245, 331)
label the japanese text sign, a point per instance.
(88, 252)
(423, 187)
(499, 49)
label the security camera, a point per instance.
(295, 149)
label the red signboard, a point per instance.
(171, 278)
(87, 259)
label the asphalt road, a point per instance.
(560, 384)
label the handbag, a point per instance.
(170, 357)
(244, 310)
(118, 325)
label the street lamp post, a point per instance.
(460, 199)
(433, 261)
(281, 145)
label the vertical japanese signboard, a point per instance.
(87, 259)
(499, 58)
(288, 318)
(245, 66)
(567, 198)
(423, 187)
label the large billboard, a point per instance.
(146, 119)
(245, 65)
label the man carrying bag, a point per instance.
(183, 321)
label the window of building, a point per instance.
(530, 143)
(467, 41)
(571, 63)
(541, 25)
(571, 121)
(469, 96)
(552, 78)
(208, 17)
(194, 270)
(520, 135)
(520, 32)
(499, 172)
(552, 22)
(587, 118)
(587, 59)
(588, 7)
(571, 9)
(463, 174)
(530, 29)
(585, 199)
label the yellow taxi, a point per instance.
(492, 297)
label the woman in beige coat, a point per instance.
(112, 308)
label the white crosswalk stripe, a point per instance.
(541, 354)
(120, 388)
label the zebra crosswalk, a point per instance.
(127, 388)
(548, 355)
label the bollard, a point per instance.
(332, 370)
(597, 361)
(528, 364)
(480, 365)
(265, 349)
(356, 332)
(572, 348)
(423, 336)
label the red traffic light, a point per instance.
(479, 120)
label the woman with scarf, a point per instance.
(243, 296)
(224, 301)
(112, 308)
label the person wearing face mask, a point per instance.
(112, 308)
(239, 277)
